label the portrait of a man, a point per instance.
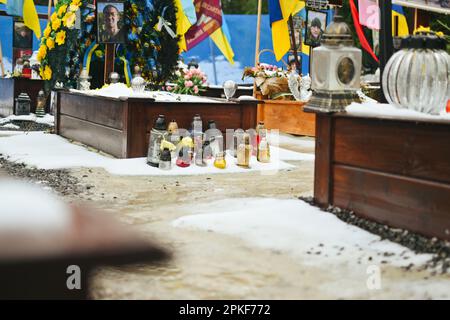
(110, 22)
(298, 23)
(23, 36)
(316, 24)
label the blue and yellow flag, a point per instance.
(279, 13)
(184, 22)
(397, 11)
(27, 10)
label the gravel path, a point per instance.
(416, 242)
(58, 180)
(27, 126)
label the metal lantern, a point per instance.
(335, 69)
(23, 104)
(40, 104)
(157, 134)
(417, 76)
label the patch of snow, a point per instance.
(41, 212)
(11, 133)
(296, 228)
(391, 111)
(47, 119)
(49, 151)
(118, 90)
(10, 126)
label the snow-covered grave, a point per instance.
(298, 229)
(118, 90)
(391, 111)
(48, 120)
(49, 151)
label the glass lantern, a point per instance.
(417, 76)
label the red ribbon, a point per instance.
(359, 31)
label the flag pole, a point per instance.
(213, 59)
(1, 60)
(49, 10)
(386, 45)
(258, 34)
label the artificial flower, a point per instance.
(47, 31)
(54, 16)
(61, 37)
(69, 19)
(56, 24)
(73, 8)
(42, 53)
(62, 10)
(50, 43)
(46, 73)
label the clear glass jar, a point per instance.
(418, 76)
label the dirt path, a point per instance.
(209, 265)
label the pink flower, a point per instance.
(195, 89)
(187, 77)
(188, 84)
(169, 88)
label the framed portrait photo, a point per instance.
(298, 23)
(22, 36)
(316, 23)
(110, 22)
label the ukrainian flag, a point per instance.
(279, 13)
(397, 11)
(27, 10)
(185, 20)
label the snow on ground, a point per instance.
(47, 119)
(42, 212)
(296, 228)
(49, 151)
(118, 90)
(7, 133)
(10, 126)
(387, 110)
